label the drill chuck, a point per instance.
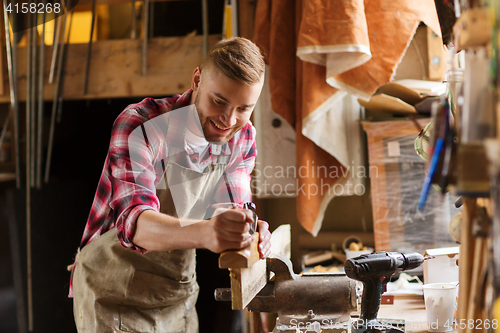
(413, 260)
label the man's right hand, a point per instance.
(228, 229)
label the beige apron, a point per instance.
(119, 290)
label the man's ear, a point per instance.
(195, 81)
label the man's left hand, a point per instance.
(264, 239)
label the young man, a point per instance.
(175, 179)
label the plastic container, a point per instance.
(440, 300)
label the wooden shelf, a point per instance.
(115, 70)
(112, 2)
(4, 177)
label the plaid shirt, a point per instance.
(120, 197)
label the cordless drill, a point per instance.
(374, 271)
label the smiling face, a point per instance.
(224, 105)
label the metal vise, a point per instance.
(311, 302)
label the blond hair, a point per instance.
(237, 58)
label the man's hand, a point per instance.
(228, 229)
(265, 239)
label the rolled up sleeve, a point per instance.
(133, 175)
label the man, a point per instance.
(175, 179)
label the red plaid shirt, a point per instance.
(120, 197)
(119, 200)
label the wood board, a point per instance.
(248, 282)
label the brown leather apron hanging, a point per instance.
(118, 290)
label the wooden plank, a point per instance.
(243, 258)
(116, 68)
(475, 302)
(466, 259)
(247, 282)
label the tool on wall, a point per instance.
(34, 54)
(58, 90)
(374, 271)
(11, 52)
(29, 100)
(89, 51)
(230, 23)
(63, 66)
(61, 24)
(28, 117)
(40, 104)
(438, 143)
